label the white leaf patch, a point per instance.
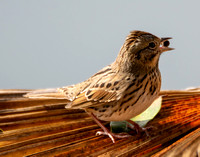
(143, 118)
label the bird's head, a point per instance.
(142, 49)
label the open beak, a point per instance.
(164, 44)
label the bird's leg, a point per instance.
(137, 128)
(107, 132)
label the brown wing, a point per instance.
(94, 98)
(108, 89)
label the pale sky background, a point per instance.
(54, 43)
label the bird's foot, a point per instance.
(112, 135)
(145, 129)
(107, 132)
(138, 129)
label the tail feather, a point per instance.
(51, 93)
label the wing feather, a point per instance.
(104, 91)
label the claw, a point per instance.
(112, 135)
(139, 129)
(106, 133)
(148, 128)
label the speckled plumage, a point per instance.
(124, 88)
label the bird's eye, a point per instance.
(166, 43)
(152, 45)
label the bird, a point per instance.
(121, 90)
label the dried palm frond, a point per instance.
(43, 127)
